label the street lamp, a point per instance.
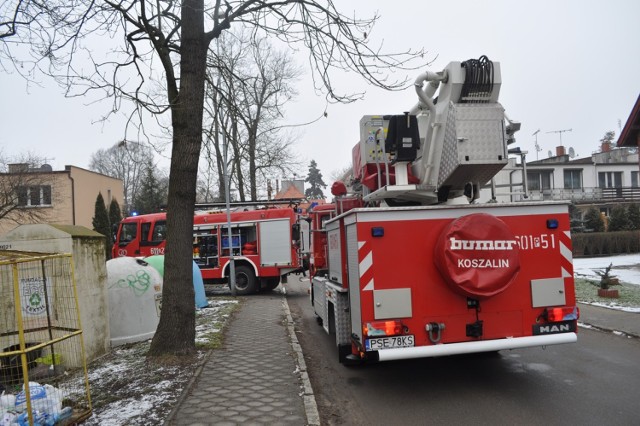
(227, 183)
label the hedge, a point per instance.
(605, 243)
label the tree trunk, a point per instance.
(176, 331)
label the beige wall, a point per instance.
(73, 198)
(87, 185)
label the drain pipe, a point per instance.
(73, 195)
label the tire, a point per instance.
(246, 282)
(270, 283)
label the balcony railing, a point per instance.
(587, 195)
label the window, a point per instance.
(128, 233)
(159, 231)
(610, 179)
(634, 179)
(539, 180)
(31, 196)
(572, 179)
(144, 231)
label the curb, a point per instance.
(610, 326)
(607, 329)
(187, 388)
(310, 406)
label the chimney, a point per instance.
(605, 147)
(560, 151)
(18, 168)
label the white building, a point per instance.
(603, 180)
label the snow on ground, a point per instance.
(625, 267)
(127, 390)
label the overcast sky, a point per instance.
(565, 65)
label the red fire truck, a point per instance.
(264, 244)
(406, 270)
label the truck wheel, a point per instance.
(246, 282)
(270, 283)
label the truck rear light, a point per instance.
(382, 328)
(561, 314)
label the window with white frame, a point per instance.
(610, 179)
(33, 196)
(572, 179)
(539, 180)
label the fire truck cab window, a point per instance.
(128, 233)
(159, 231)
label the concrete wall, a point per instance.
(88, 252)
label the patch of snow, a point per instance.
(625, 267)
(142, 408)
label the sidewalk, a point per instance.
(258, 377)
(610, 319)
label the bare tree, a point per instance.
(126, 161)
(176, 36)
(254, 82)
(263, 97)
(207, 190)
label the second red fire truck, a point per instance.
(264, 244)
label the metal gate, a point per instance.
(43, 371)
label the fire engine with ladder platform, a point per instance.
(401, 269)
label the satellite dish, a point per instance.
(550, 154)
(572, 152)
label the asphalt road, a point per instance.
(593, 382)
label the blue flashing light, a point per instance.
(552, 223)
(377, 231)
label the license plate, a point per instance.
(389, 342)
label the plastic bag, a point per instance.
(45, 399)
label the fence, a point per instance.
(587, 195)
(43, 370)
